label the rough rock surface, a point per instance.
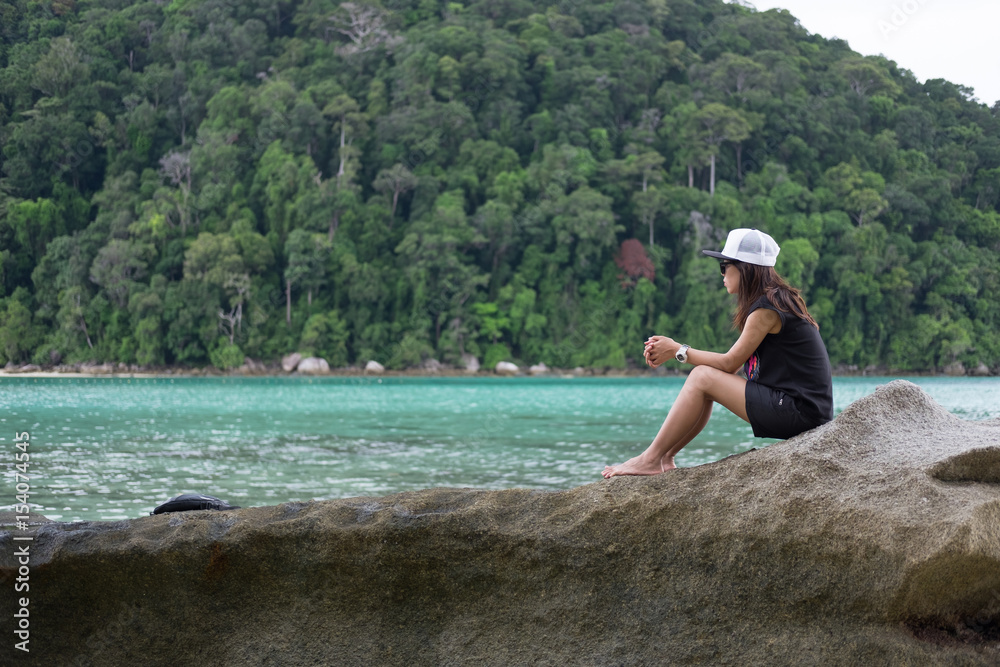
(432, 366)
(873, 540)
(982, 370)
(506, 368)
(470, 363)
(955, 369)
(290, 362)
(314, 366)
(374, 367)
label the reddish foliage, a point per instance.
(634, 261)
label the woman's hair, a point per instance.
(757, 281)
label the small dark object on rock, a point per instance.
(193, 501)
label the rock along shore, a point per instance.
(873, 540)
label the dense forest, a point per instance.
(193, 182)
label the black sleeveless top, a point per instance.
(794, 361)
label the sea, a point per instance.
(113, 448)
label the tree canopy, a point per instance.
(194, 181)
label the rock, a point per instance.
(251, 367)
(432, 366)
(982, 370)
(374, 368)
(29, 368)
(506, 368)
(314, 366)
(871, 536)
(538, 369)
(290, 362)
(955, 369)
(470, 363)
(579, 371)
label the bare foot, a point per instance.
(638, 466)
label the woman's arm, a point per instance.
(760, 323)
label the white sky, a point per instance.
(935, 39)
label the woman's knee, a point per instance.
(713, 384)
(702, 377)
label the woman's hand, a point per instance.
(659, 349)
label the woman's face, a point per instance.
(730, 277)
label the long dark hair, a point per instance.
(757, 281)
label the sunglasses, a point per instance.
(725, 265)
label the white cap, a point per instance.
(748, 245)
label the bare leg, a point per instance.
(667, 460)
(687, 417)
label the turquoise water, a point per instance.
(114, 448)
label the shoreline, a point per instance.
(99, 372)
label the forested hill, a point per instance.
(196, 181)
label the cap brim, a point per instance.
(717, 255)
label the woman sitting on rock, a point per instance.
(787, 389)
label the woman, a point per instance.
(787, 389)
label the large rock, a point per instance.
(872, 540)
(470, 363)
(374, 368)
(314, 366)
(955, 369)
(251, 367)
(981, 370)
(432, 366)
(506, 368)
(290, 362)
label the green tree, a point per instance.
(118, 267)
(716, 124)
(584, 220)
(441, 273)
(281, 184)
(646, 169)
(492, 323)
(72, 318)
(395, 181)
(860, 193)
(350, 124)
(325, 335)
(305, 255)
(18, 335)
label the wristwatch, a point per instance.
(682, 354)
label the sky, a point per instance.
(934, 39)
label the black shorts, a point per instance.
(773, 414)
